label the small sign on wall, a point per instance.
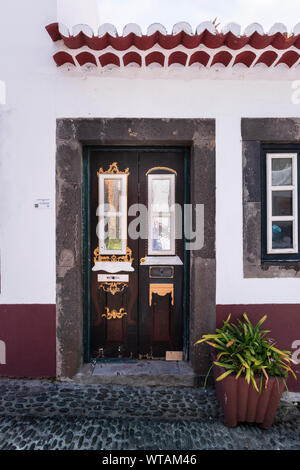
(42, 203)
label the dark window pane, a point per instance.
(282, 203)
(282, 235)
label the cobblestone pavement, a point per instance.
(60, 415)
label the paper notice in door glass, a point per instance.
(161, 195)
(282, 235)
(282, 172)
(161, 233)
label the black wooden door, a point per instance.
(136, 280)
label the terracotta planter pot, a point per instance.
(242, 403)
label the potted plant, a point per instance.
(250, 372)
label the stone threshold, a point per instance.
(140, 373)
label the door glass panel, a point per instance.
(282, 171)
(161, 233)
(161, 214)
(161, 195)
(282, 234)
(282, 203)
(112, 232)
(112, 193)
(112, 214)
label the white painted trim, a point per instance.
(270, 188)
(234, 28)
(2, 352)
(113, 266)
(161, 260)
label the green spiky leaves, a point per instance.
(243, 349)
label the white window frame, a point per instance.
(102, 213)
(270, 188)
(171, 214)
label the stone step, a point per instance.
(140, 373)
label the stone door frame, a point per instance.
(72, 136)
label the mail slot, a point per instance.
(161, 272)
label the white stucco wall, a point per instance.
(37, 93)
(72, 12)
